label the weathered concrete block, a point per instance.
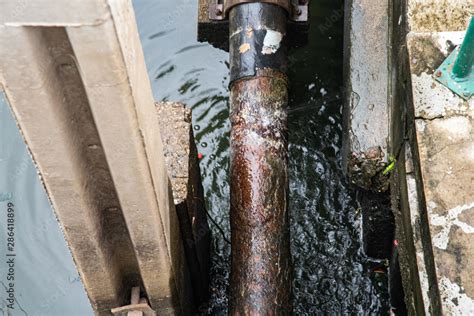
(444, 126)
(77, 84)
(366, 93)
(388, 85)
(47, 13)
(432, 185)
(183, 168)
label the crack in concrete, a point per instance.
(440, 117)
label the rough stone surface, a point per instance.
(439, 15)
(174, 120)
(366, 88)
(183, 168)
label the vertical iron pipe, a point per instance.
(260, 281)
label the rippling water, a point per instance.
(331, 273)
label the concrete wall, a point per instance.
(395, 107)
(432, 185)
(366, 93)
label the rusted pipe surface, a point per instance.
(260, 277)
(260, 274)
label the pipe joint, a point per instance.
(296, 9)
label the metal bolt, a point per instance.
(438, 73)
(218, 11)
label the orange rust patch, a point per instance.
(244, 48)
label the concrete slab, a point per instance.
(434, 183)
(67, 164)
(120, 97)
(445, 135)
(53, 13)
(424, 112)
(82, 98)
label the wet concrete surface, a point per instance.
(366, 93)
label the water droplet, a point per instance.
(197, 127)
(203, 144)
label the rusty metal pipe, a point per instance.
(260, 274)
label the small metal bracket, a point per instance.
(457, 71)
(300, 13)
(464, 87)
(216, 12)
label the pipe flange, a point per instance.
(296, 12)
(285, 4)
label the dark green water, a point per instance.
(332, 276)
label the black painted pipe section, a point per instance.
(260, 274)
(257, 39)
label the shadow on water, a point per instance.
(331, 273)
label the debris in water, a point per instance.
(391, 166)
